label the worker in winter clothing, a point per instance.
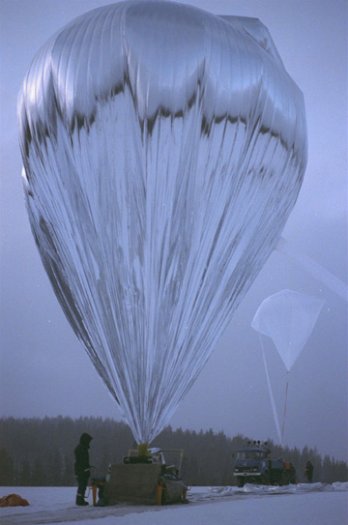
(82, 467)
(309, 471)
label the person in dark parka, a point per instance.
(309, 471)
(82, 467)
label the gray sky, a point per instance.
(44, 370)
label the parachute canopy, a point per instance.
(288, 318)
(163, 150)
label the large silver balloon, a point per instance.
(163, 150)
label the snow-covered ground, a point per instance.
(303, 504)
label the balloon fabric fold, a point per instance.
(163, 150)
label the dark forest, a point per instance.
(39, 452)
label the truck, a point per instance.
(254, 464)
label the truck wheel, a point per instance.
(241, 482)
(285, 478)
(265, 479)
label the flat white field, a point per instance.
(303, 504)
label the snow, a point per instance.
(302, 504)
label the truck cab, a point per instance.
(254, 464)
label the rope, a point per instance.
(270, 391)
(285, 405)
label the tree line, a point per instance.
(40, 452)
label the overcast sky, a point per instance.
(44, 369)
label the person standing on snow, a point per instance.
(309, 471)
(82, 467)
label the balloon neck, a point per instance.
(143, 449)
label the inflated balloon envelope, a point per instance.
(288, 318)
(163, 150)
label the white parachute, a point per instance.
(163, 150)
(288, 318)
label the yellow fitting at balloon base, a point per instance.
(143, 449)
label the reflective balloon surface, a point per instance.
(163, 150)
